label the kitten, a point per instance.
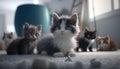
(27, 44)
(106, 44)
(63, 30)
(86, 41)
(6, 40)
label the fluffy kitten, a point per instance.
(106, 44)
(27, 44)
(6, 40)
(86, 41)
(63, 30)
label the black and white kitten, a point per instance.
(87, 41)
(63, 30)
(27, 44)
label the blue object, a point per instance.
(34, 15)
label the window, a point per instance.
(100, 7)
(116, 4)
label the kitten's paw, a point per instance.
(60, 54)
(35, 51)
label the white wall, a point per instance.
(102, 6)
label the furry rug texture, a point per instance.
(83, 60)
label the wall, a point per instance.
(2, 21)
(8, 24)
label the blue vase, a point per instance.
(34, 15)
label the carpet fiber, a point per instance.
(108, 60)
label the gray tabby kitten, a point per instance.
(63, 31)
(27, 44)
(7, 38)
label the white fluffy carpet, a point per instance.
(107, 60)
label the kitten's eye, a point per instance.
(88, 36)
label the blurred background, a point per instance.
(101, 15)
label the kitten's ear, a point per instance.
(55, 17)
(86, 30)
(74, 18)
(3, 36)
(39, 27)
(107, 37)
(26, 26)
(98, 37)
